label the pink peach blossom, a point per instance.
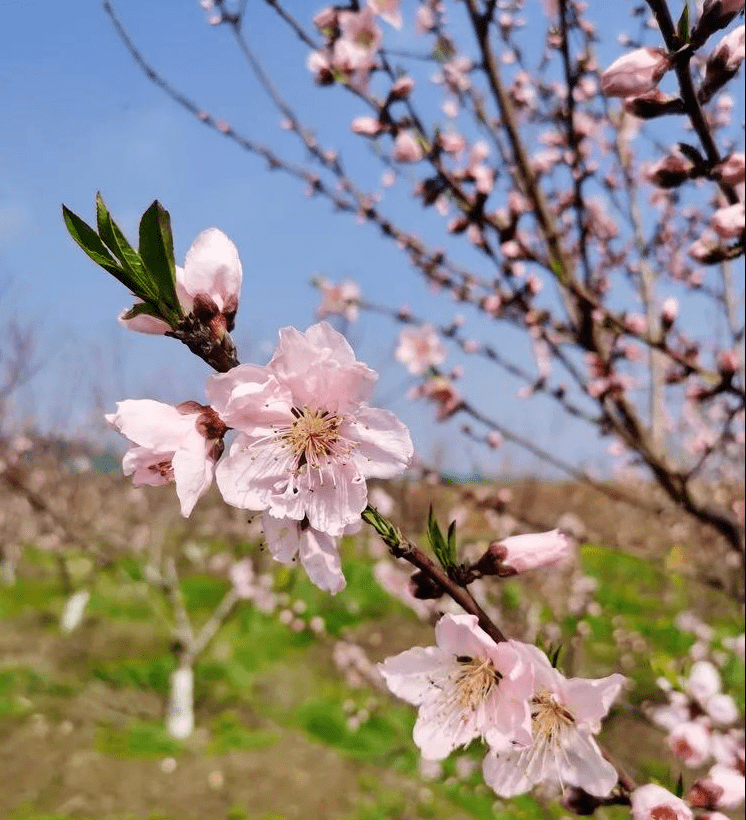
(690, 742)
(730, 51)
(174, 444)
(341, 298)
(732, 170)
(565, 714)
(730, 221)
(652, 802)
(407, 148)
(307, 441)
(466, 687)
(419, 349)
(368, 126)
(635, 73)
(440, 389)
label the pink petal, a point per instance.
(384, 445)
(212, 266)
(151, 424)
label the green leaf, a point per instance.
(691, 153)
(443, 550)
(142, 308)
(90, 242)
(130, 260)
(157, 253)
(682, 27)
(679, 788)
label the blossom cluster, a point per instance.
(537, 724)
(305, 443)
(704, 727)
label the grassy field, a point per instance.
(281, 733)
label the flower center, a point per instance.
(475, 679)
(549, 719)
(163, 468)
(365, 39)
(314, 436)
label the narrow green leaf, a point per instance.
(129, 258)
(679, 788)
(142, 308)
(452, 538)
(682, 27)
(90, 242)
(438, 544)
(157, 252)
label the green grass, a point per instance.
(262, 683)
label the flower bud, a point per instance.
(407, 148)
(653, 104)
(732, 170)
(423, 587)
(402, 88)
(729, 222)
(670, 171)
(722, 64)
(635, 73)
(716, 14)
(651, 801)
(669, 312)
(522, 553)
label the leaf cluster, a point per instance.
(149, 272)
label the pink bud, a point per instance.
(653, 802)
(407, 148)
(669, 311)
(635, 73)
(402, 87)
(368, 126)
(732, 170)
(494, 439)
(728, 361)
(716, 14)
(635, 323)
(731, 49)
(670, 171)
(522, 553)
(729, 222)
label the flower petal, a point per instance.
(212, 266)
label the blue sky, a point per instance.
(79, 116)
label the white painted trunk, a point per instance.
(180, 708)
(72, 614)
(8, 570)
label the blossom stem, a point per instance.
(401, 547)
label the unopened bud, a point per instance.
(424, 587)
(669, 312)
(636, 73)
(402, 88)
(654, 104)
(727, 362)
(522, 553)
(671, 171)
(722, 64)
(368, 126)
(716, 14)
(729, 222)
(732, 170)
